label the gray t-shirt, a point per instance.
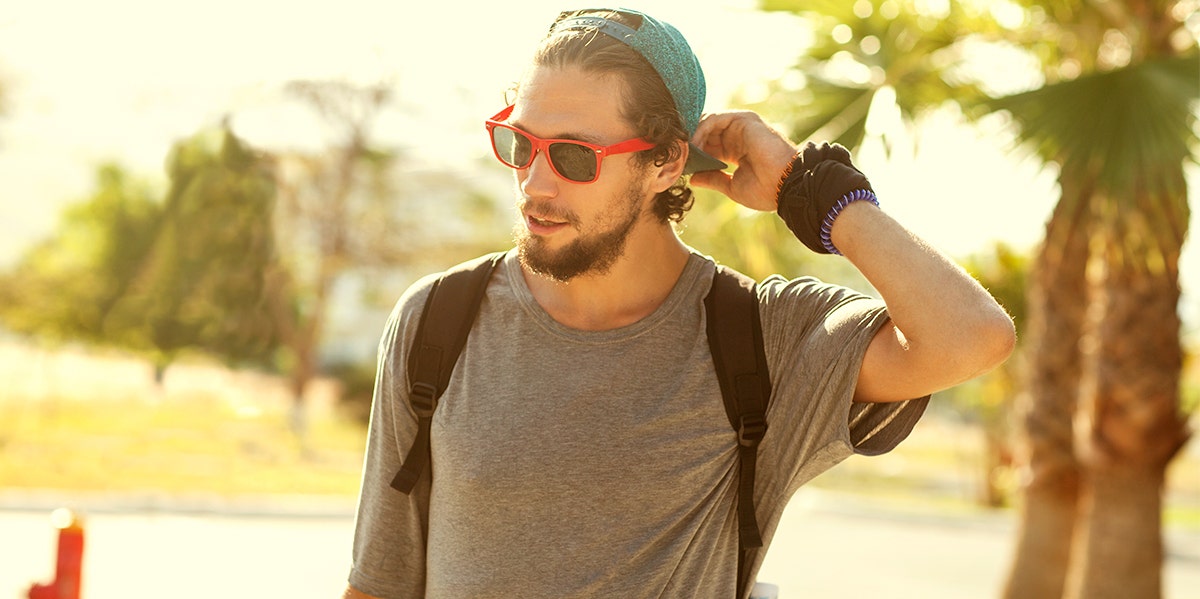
(573, 463)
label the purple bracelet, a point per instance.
(827, 224)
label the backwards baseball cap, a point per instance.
(665, 49)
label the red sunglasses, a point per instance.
(573, 160)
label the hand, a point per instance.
(758, 152)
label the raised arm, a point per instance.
(945, 328)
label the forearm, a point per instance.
(946, 328)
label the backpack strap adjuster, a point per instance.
(423, 398)
(751, 429)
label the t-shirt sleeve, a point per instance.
(816, 335)
(390, 527)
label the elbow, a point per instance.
(995, 339)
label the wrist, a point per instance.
(856, 196)
(786, 174)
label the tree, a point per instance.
(873, 55)
(1103, 416)
(199, 282)
(1114, 116)
(59, 288)
(349, 211)
(158, 277)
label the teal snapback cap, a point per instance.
(668, 52)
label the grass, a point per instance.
(198, 445)
(201, 444)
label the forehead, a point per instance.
(569, 101)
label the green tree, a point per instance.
(159, 277)
(200, 283)
(59, 289)
(873, 55)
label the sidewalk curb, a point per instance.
(150, 502)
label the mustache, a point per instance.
(547, 211)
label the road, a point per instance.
(828, 546)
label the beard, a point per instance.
(589, 253)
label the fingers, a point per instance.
(758, 152)
(719, 181)
(740, 137)
(723, 135)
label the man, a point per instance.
(581, 448)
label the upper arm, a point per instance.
(884, 375)
(389, 549)
(895, 368)
(353, 593)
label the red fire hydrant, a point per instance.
(69, 563)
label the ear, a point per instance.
(670, 172)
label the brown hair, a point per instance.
(648, 105)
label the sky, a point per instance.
(122, 80)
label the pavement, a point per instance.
(828, 545)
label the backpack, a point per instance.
(734, 338)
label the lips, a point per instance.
(543, 226)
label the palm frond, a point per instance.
(1129, 128)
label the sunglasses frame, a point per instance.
(636, 144)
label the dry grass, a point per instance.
(76, 422)
(173, 447)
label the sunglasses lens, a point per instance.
(513, 148)
(575, 162)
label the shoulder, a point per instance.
(406, 313)
(811, 297)
(807, 312)
(775, 288)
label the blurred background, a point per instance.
(207, 212)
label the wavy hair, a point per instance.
(648, 106)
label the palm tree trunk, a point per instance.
(1129, 423)
(1119, 547)
(1050, 474)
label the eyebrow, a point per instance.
(571, 136)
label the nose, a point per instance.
(539, 180)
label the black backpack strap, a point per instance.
(735, 340)
(442, 332)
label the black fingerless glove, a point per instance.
(817, 181)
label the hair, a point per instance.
(648, 105)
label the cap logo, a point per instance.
(611, 28)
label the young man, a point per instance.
(581, 448)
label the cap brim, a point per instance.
(699, 161)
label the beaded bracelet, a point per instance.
(827, 224)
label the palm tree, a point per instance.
(1101, 413)
(1103, 417)
(868, 51)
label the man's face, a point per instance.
(572, 229)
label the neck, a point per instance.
(633, 288)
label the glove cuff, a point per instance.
(811, 196)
